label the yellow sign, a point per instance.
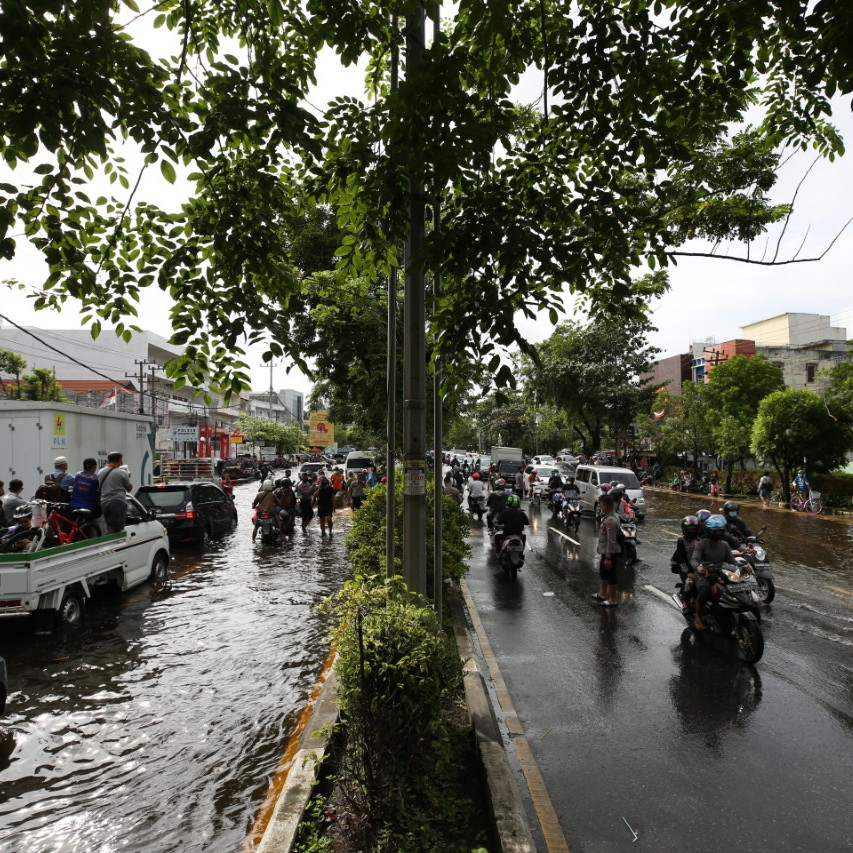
(60, 440)
(321, 432)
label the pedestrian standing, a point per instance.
(305, 491)
(325, 504)
(114, 484)
(357, 492)
(610, 552)
(765, 489)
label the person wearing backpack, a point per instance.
(86, 491)
(610, 539)
(114, 484)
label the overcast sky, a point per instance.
(709, 298)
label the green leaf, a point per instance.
(168, 171)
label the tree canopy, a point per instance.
(625, 154)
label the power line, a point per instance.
(65, 354)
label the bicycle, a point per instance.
(811, 504)
(58, 529)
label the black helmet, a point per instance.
(730, 509)
(570, 480)
(617, 492)
(702, 516)
(690, 527)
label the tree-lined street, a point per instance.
(628, 716)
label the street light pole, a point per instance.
(414, 354)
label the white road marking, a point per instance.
(664, 596)
(560, 533)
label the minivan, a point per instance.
(589, 478)
(191, 512)
(358, 461)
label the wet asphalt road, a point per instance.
(629, 718)
(158, 725)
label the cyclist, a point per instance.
(801, 484)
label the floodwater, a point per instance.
(159, 723)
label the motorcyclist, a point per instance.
(476, 491)
(713, 550)
(735, 525)
(496, 503)
(532, 479)
(514, 519)
(285, 499)
(680, 560)
(570, 489)
(451, 490)
(555, 482)
(621, 504)
(264, 501)
(702, 517)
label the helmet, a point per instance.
(615, 484)
(501, 483)
(605, 487)
(513, 501)
(475, 475)
(616, 493)
(570, 480)
(690, 526)
(23, 511)
(703, 515)
(534, 471)
(266, 486)
(730, 509)
(716, 527)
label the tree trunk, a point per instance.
(730, 469)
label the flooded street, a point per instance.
(159, 723)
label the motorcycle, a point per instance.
(731, 611)
(629, 532)
(510, 551)
(753, 552)
(269, 531)
(477, 506)
(536, 492)
(555, 501)
(572, 513)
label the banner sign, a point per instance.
(321, 433)
(184, 433)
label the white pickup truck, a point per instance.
(57, 581)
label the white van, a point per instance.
(358, 461)
(589, 478)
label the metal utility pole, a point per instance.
(142, 364)
(391, 370)
(414, 355)
(437, 413)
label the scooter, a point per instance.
(555, 501)
(731, 611)
(753, 552)
(629, 532)
(572, 513)
(510, 551)
(477, 506)
(268, 528)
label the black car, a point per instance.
(190, 512)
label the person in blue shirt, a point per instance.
(801, 483)
(85, 491)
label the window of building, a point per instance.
(811, 370)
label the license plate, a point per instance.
(742, 586)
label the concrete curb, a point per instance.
(280, 832)
(510, 826)
(843, 513)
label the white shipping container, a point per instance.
(34, 433)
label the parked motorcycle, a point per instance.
(510, 551)
(754, 553)
(477, 506)
(731, 611)
(571, 513)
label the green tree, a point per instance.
(686, 429)
(591, 373)
(734, 391)
(13, 365)
(794, 427)
(839, 391)
(632, 159)
(41, 384)
(286, 438)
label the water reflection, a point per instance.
(158, 725)
(711, 693)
